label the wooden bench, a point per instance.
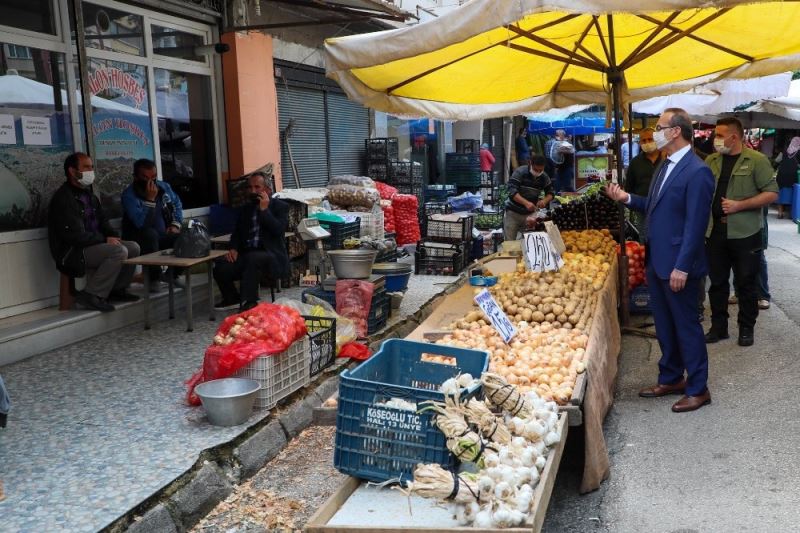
(66, 292)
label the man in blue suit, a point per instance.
(676, 216)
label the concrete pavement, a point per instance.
(731, 466)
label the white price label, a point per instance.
(496, 315)
(540, 253)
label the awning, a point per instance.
(324, 12)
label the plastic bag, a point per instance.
(350, 195)
(356, 181)
(266, 329)
(387, 192)
(356, 351)
(465, 202)
(353, 300)
(345, 328)
(406, 218)
(193, 240)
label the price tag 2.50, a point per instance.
(496, 316)
(539, 252)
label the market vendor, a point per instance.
(257, 246)
(529, 188)
(640, 173)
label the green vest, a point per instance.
(752, 174)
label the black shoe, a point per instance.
(226, 304)
(715, 336)
(746, 336)
(246, 306)
(122, 295)
(90, 301)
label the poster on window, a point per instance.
(120, 124)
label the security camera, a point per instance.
(219, 48)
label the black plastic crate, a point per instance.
(378, 171)
(340, 231)
(437, 208)
(468, 146)
(439, 259)
(381, 148)
(463, 161)
(404, 173)
(454, 231)
(464, 178)
(295, 246)
(378, 310)
(439, 193)
(322, 345)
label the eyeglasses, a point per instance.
(659, 127)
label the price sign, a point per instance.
(497, 317)
(540, 253)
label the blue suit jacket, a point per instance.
(677, 218)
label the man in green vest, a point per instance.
(745, 184)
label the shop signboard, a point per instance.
(496, 315)
(540, 253)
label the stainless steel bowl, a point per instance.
(392, 268)
(352, 264)
(229, 401)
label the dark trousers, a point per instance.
(743, 256)
(679, 334)
(249, 267)
(150, 241)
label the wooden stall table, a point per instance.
(221, 241)
(161, 259)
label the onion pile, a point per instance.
(539, 359)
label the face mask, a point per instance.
(648, 147)
(661, 139)
(87, 178)
(719, 146)
(536, 174)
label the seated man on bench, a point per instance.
(257, 246)
(151, 215)
(83, 243)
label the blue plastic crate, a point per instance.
(640, 301)
(378, 443)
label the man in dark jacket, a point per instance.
(257, 246)
(529, 188)
(83, 243)
(151, 214)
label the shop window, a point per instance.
(186, 136)
(112, 29)
(18, 52)
(35, 135)
(31, 15)
(121, 126)
(177, 44)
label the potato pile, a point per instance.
(540, 358)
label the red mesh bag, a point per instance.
(353, 301)
(388, 216)
(266, 329)
(406, 218)
(387, 192)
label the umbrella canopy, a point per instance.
(575, 125)
(781, 112)
(504, 57)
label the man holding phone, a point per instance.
(152, 215)
(257, 246)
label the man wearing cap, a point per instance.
(83, 243)
(744, 185)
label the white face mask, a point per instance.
(536, 174)
(87, 178)
(719, 146)
(648, 147)
(661, 139)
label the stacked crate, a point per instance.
(463, 170)
(380, 152)
(446, 246)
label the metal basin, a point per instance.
(229, 401)
(352, 264)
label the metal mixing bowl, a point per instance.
(352, 264)
(229, 401)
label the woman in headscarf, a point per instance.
(787, 175)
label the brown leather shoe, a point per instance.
(692, 403)
(659, 390)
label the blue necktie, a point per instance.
(662, 176)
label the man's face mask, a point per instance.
(86, 178)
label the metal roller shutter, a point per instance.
(308, 140)
(348, 126)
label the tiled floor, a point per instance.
(99, 426)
